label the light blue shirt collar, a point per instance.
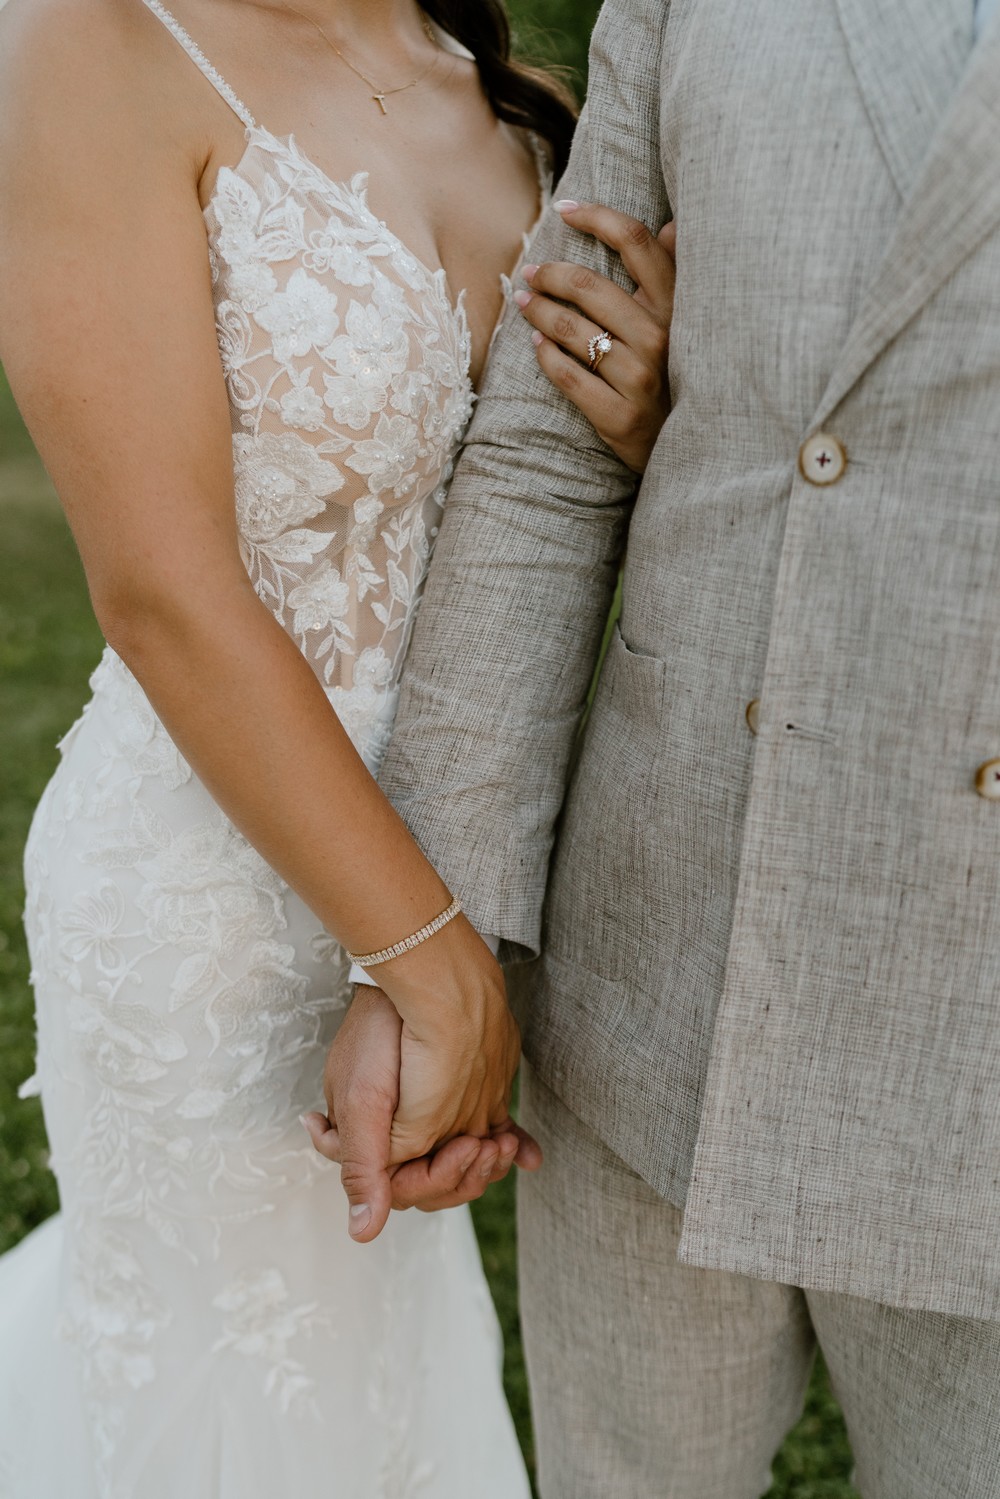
(984, 9)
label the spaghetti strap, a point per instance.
(198, 57)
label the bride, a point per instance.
(235, 331)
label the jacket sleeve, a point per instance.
(525, 566)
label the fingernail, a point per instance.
(537, 338)
(522, 298)
(565, 205)
(361, 1216)
(488, 1170)
(304, 1123)
(528, 272)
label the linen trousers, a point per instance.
(654, 1380)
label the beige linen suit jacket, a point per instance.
(771, 965)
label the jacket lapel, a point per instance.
(908, 57)
(952, 205)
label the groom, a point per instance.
(764, 1029)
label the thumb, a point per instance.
(668, 237)
(364, 1122)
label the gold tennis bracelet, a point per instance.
(373, 959)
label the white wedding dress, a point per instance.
(196, 1323)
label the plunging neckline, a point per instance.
(352, 189)
(356, 190)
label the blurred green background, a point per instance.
(555, 31)
(49, 642)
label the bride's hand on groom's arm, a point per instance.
(627, 397)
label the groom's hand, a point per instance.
(363, 1095)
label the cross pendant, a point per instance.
(380, 101)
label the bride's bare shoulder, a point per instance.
(74, 78)
(49, 47)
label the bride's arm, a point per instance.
(107, 331)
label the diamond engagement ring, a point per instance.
(599, 345)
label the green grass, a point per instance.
(49, 641)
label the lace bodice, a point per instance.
(347, 365)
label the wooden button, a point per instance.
(822, 460)
(988, 780)
(753, 716)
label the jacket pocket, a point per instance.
(632, 684)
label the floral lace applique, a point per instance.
(262, 1324)
(347, 366)
(114, 1315)
(140, 740)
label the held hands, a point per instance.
(626, 398)
(418, 1085)
(360, 1133)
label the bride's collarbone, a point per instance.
(438, 159)
(454, 183)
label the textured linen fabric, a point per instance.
(656, 1380)
(813, 912)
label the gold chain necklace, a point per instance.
(379, 95)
